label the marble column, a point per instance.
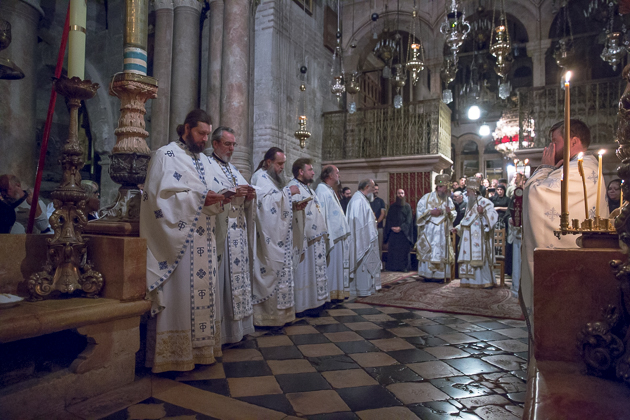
(234, 80)
(537, 51)
(436, 81)
(185, 68)
(214, 62)
(18, 122)
(162, 66)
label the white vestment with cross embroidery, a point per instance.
(476, 246)
(541, 215)
(181, 260)
(272, 275)
(434, 258)
(234, 229)
(310, 233)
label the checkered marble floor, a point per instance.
(357, 361)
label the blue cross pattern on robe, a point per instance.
(177, 176)
(552, 182)
(200, 250)
(237, 261)
(201, 273)
(170, 153)
(262, 270)
(181, 224)
(163, 265)
(592, 212)
(281, 243)
(552, 214)
(314, 227)
(273, 210)
(158, 214)
(200, 231)
(593, 177)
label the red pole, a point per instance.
(49, 117)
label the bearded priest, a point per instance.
(338, 234)
(365, 261)
(476, 246)
(233, 257)
(435, 214)
(310, 231)
(272, 275)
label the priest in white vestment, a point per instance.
(233, 253)
(311, 280)
(364, 258)
(435, 214)
(272, 276)
(476, 246)
(337, 246)
(177, 217)
(541, 201)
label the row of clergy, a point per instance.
(225, 254)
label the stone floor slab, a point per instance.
(316, 402)
(416, 392)
(433, 369)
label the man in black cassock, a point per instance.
(398, 233)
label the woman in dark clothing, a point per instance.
(501, 205)
(613, 194)
(398, 233)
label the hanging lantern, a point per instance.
(352, 108)
(338, 88)
(614, 51)
(564, 53)
(352, 87)
(455, 27)
(500, 48)
(447, 74)
(399, 77)
(302, 134)
(415, 51)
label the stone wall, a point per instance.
(282, 32)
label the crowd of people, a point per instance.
(225, 255)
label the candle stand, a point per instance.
(67, 268)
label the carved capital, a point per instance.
(194, 4)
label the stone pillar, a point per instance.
(235, 80)
(214, 62)
(436, 81)
(162, 65)
(537, 50)
(185, 69)
(18, 122)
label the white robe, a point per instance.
(364, 259)
(541, 215)
(476, 246)
(233, 255)
(311, 280)
(337, 264)
(272, 275)
(434, 261)
(181, 260)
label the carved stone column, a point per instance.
(162, 62)
(185, 70)
(235, 80)
(214, 61)
(18, 123)
(537, 50)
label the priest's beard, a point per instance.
(471, 203)
(224, 158)
(441, 194)
(195, 148)
(401, 201)
(370, 197)
(277, 178)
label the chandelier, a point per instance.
(415, 50)
(506, 135)
(564, 52)
(337, 88)
(455, 27)
(353, 87)
(614, 49)
(501, 49)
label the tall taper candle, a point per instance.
(599, 183)
(582, 174)
(76, 39)
(621, 195)
(564, 212)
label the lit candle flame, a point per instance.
(415, 46)
(303, 117)
(526, 161)
(581, 156)
(601, 152)
(567, 77)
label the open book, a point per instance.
(227, 192)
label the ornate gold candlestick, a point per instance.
(67, 268)
(130, 155)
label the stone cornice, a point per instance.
(194, 4)
(419, 163)
(162, 4)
